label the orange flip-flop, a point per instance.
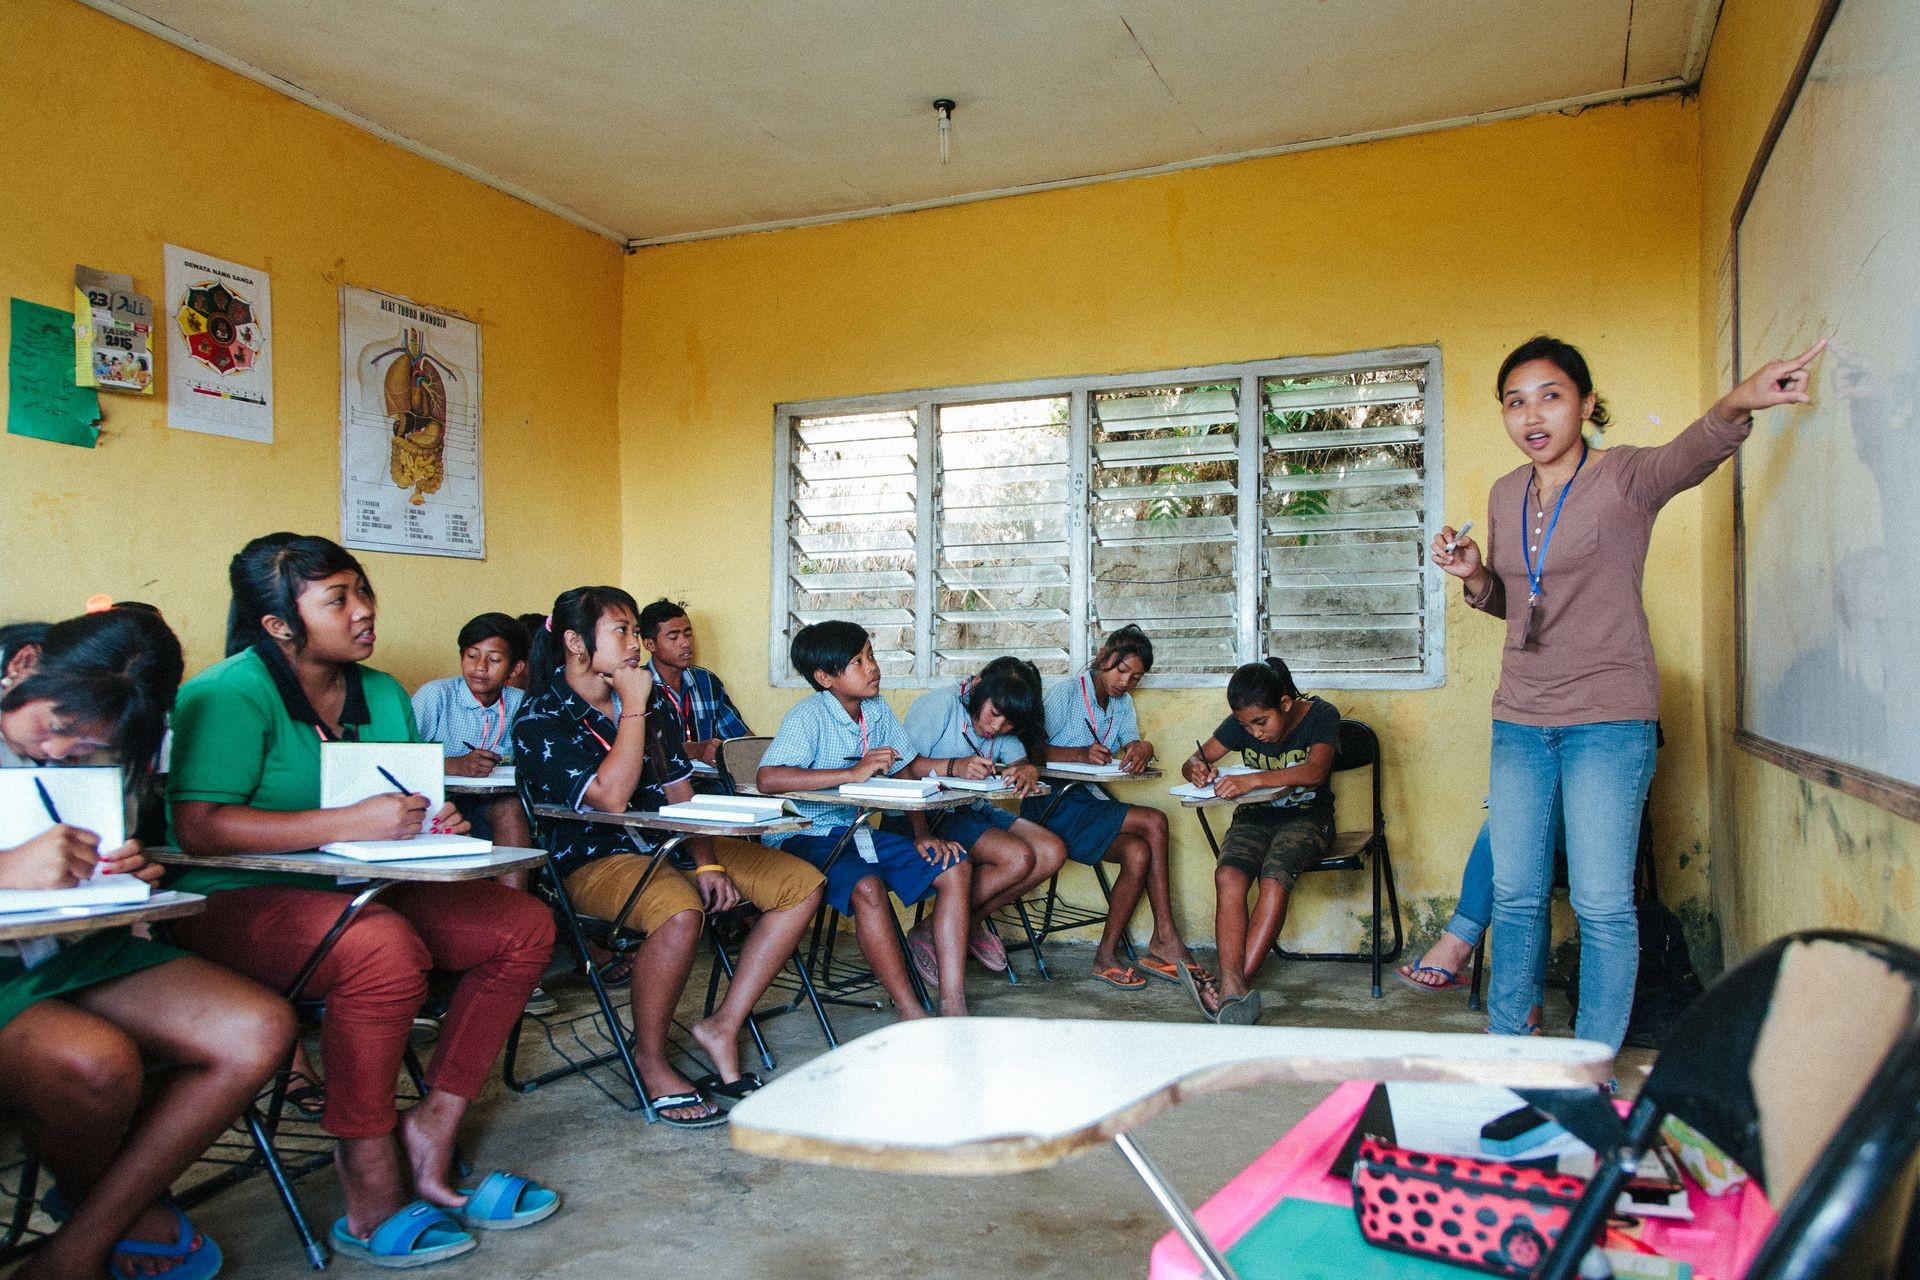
(1124, 978)
(1165, 970)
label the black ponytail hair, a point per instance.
(267, 576)
(1261, 684)
(578, 611)
(116, 670)
(1128, 642)
(1563, 356)
(1013, 686)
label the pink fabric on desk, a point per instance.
(1720, 1241)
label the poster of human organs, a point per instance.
(409, 428)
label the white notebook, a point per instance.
(103, 892)
(428, 846)
(92, 798)
(502, 778)
(1089, 770)
(974, 784)
(757, 804)
(1187, 791)
(892, 788)
(694, 811)
(351, 771)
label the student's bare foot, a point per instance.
(370, 1176)
(427, 1134)
(661, 1084)
(156, 1226)
(910, 1011)
(721, 1047)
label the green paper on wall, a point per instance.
(42, 400)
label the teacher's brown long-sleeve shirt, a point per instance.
(1592, 656)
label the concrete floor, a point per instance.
(651, 1200)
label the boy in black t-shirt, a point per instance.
(1289, 740)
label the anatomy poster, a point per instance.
(218, 318)
(409, 428)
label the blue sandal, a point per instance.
(190, 1263)
(419, 1234)
(506, 1202)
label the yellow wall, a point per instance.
(1475, 239)
(203, 158)
(1790, 854)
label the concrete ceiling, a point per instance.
(648, 120)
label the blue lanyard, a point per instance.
(1536, 575)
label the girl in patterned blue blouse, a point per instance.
(847, 733)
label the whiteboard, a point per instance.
(1827, 244)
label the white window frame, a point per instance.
(1249, 571)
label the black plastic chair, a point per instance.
(1354, 850)
(1802, 1063)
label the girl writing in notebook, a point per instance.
(989, 726)
(1091, 720)
(79, 1018)
(1573, 717)
(246, 779)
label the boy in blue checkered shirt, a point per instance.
(695, 692)
(847, 733)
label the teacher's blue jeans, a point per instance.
(1599, 773)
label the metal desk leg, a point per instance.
(1212, 1261)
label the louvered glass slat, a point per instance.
(852, 527)
(1001, 516)
(1343, 497)
(1165, 520)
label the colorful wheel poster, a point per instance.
(218, 321)
(409, 428)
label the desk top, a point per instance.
(1002, 1095)
(1054, 773)
(647, 820)
(21, 925)
(940, 800)
(474, 866)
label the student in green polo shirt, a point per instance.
(246, 778)
(79, 1016)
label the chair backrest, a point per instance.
(739, 762)
(1359, 749)
(1802, 1063)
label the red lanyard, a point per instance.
(587, 724)
(1098, 735)
(487, 740)
(681, 709)
(966, 719)
(863, 733)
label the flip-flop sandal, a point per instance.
(732, 1090)
(617, 974)
(1116, 976)
(987, 948)
(925, 962)
(190, 1263)
(506, 1202)
(1239, 1011)
(1166, 971)
(1451, 980)
(417, 1236)
(1193, 984)
(679, 1101)
(306, 1095)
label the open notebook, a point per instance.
(352, 771)
(91, 798)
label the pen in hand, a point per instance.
(46, 802)
(1458, 536)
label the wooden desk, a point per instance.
(647, 820)
(1005, 1095)
(1054, 773)
(378, 877)
(19, 926)
(448, 870)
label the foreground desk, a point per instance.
(22, 926)
(1005, 1095)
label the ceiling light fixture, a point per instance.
(943, 108)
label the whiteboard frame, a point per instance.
(1877, 789)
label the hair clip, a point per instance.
(99, 603)
(549, 622)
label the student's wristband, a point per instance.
(633, 715)
(710, 866)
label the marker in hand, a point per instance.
(1458, 536)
